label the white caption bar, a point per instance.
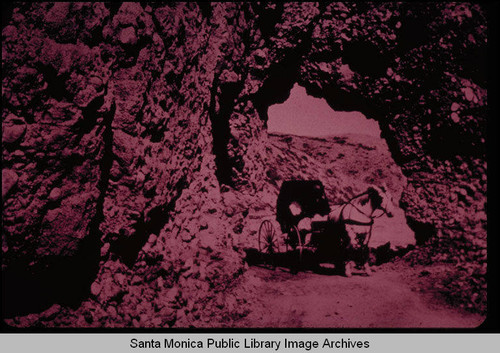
(250, 342)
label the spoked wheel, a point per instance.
(268, 239)
(300, 246)
(288, 245)
(292, 240)
(295, 243)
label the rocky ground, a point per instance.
(136, 163)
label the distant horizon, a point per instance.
(278, 133)
(304, 115)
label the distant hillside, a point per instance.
(359, 159)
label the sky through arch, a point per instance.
(305, 115)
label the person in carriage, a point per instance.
(347, 228)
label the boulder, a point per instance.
(9, 180)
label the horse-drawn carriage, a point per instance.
(337, 235)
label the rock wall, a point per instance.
(133, 134)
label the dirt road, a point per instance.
(387, 299)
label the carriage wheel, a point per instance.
(288, 245)
(292, 240)
(268, 238)
(300, 245)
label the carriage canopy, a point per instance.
(308, 194)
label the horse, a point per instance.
(353, 221)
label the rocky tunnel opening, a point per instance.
(349, 149)
(276, 89)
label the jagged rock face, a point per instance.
(122, 124)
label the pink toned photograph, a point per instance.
(244, 165)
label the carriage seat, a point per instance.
(309, 224)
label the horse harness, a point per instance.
(360, 223)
